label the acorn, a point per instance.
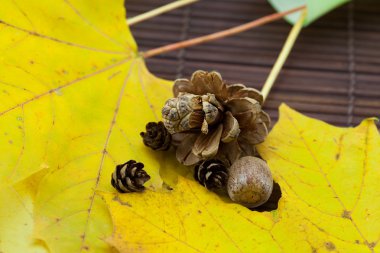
(250, 181)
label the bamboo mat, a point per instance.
(333, 72)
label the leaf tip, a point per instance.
(284, 109)
(368, 123)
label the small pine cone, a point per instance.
(156, 136)
(212, 174)
(129, 177)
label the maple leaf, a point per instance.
(75, 95)
(330, 199)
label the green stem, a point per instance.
(159, 11)
(283, 55)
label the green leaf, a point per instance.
(315, 8)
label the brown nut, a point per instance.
(250, 181)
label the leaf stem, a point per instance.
(158, 11)
(219, 35)
(283, 55)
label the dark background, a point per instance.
(333, 72)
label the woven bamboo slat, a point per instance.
(333, 72)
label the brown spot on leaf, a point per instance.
(346, 214)
(372, 245)
(168, 187)
(117, 199)
(357, 241)
(113, 75)
(199, 211)
(337, 156)
(330, 246)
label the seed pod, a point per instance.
(212, 174)
(250, 181)
(129, 177)
(156, 136)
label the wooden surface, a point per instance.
(333, 72)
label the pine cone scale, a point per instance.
(250, 93)
(207, 145)
(184, 152)
(231, 128)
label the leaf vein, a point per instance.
(159, 228)
(215, 220)
(42, 36)
(95, 28)
(65, 85)
(365, 163)
(112, 124)
(326, 179)
(22, 149)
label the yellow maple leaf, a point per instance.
(330, 199)
(74, 96)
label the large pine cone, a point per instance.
(209, 118)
